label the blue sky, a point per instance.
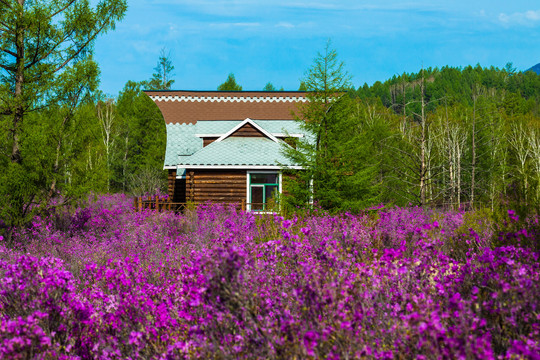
(277, 40)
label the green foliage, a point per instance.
(46, 74)
(141, 140)
(454, 84)
(161, 79)
(269, 87)
(340, 172)
(480, 138)
(230, 84)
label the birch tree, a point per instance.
(534, 145)
(106, 116)
(414, 166)
(518, 140)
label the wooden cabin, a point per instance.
(227, 146)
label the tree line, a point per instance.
(452, 137)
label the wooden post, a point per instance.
(192, 186)
(157, 203)
(243, 204)
(172, 183)
(139, 201)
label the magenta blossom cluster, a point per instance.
(104, 281)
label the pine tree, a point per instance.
(162, 77)
(230, 84)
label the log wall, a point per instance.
(208, 140)
(171, 183)
(227, 186)
(247, 130)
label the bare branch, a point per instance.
(8, 51)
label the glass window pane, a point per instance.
(257, 199)
(264, 178)
(271, 191)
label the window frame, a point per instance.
(249, 185)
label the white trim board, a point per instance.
(252, 123)
(244, 99)
(274, 134)
(242, 167)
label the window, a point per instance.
(262, 187)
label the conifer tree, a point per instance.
(230, 84)
(162, 77)
(329, 162)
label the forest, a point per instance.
(450, 137)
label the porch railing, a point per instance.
(155, 203)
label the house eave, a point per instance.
(241, 167)
(273, 134)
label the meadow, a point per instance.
(101, 281)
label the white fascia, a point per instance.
(248, 120)
(274, 134)
(242, 167)
(208, 135)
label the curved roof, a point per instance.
(188, 107)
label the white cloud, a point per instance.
(236, 24)
(526, 18)
(285, 25)
(533, 15)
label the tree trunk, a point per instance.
(19, 83)
(423, 141)
(124, 164)
(473, 149)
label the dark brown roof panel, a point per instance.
(187, 107)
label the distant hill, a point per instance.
(535, 68)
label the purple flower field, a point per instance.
(105, 282)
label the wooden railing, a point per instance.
(155, 203)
